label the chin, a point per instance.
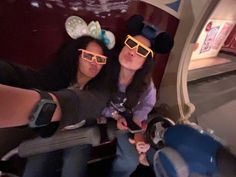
(130, 68)
(92, 76)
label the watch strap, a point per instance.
(44, 94)
(43, 111)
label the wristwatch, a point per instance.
(43, 111)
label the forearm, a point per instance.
(16, 105)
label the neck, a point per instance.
(82, 79)
(125, 76)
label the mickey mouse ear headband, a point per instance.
(162, 42)
(77, 27)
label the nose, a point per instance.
(132, 52)
(94, 61)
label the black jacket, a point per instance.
(143, 171)
(17, 75)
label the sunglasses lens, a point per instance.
(142, 51)
(131, 43)
(101, 60)
(88, 56)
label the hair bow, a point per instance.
(76, 27)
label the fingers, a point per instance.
(142, 148)
(137, 121)
(144, 125)
(101, 120)
(143, 159)
(140, 123)
(122, 124)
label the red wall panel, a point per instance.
(32, 30)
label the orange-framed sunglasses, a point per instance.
(91, 56)
(141, 49)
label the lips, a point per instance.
(93, 70)
(128, 58)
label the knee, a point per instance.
(130, 166)
(124, 164)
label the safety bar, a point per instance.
(87, 135)
(65, 139)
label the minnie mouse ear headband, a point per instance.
(161, 42)
(77, 27)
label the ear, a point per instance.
(131, 141)
(76, 27)
(135, 24)
(163, 43)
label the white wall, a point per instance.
(223, 19)
(225, 10)
(173, 94)
(210, 41)
(197, 6)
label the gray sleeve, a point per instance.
(80, 105)
(91, 104)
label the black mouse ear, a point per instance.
(135, 24)
(163, 43)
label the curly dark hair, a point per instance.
(62, 71)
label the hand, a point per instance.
(142, 148)
(121, 123)
(101, 120)
(115, 115)
(143, 159)
(142, 124)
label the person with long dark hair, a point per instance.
(133, 78)
(133, 91)
(76, 65)
(61, 73)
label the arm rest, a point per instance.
(61, 140)
(65, 139)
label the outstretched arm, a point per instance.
(16, 105)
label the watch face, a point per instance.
(46, 114)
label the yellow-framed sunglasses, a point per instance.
(91, 56)
(141, 49)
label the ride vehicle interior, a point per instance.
(31, 31)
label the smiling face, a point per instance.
(90, 69)
(129, 59)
